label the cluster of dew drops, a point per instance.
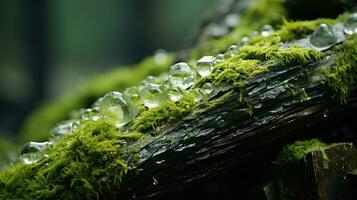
(121, 107)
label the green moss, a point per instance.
(166, 112)
(296, 152)
(252, 59)
(344, 73)
(85, 165)
(38, 124)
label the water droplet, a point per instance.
(64, 128)
(152, 95)
(232, 51)
(174, 93)
(253, 34)
(160, 56)
(350, 25)
(90, 114)
(207, 89)
(155, 181)
(204, 65)
(231, 20)
(243, 41)
(30, 158)
(267, 30)
(197, 94)
(323, 36)
(153, 80)
(181, 75)
(133, 93)
(33, 147)
(220, 57)
(117, 107)
(325, 113)
(160, 162)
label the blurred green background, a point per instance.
(50, 47)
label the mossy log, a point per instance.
(263, 93)
(200, 146)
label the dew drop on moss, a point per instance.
(30, 158)
(232, 51)
(181, 75)
(207, 89)
(33, 147)
(174, 93)
(197, 94)
(117, 107)
(204, 65)
(350, 25)
(133, 93)
(323, 36)
(152, 95)
(220, 57)
(267, 30)
(243, 41)
(153, 80)
(33, 152)
(90, 114)
(64, 128)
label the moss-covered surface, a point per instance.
(296, 152)
(90, 164)
(85, 165)
(345, 66)
(38, 124)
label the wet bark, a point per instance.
(206, 143)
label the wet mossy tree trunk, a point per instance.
(271, 108)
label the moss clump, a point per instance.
(85, 165)
(166, 112)
(38, 124)
(296, 152)
(344, 72)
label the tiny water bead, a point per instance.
(92, 114)
(204, 65)
(350, 25)
(33, 147)
(243, 41)
(220, 57)
(152, 95)
(30, 158)
(63, 129)
(33, 152)
(197, 94)
(133, 93)
(117, 107)
(153, 80)
(181, 75)
(232, 51)
(323, 36)
(174, 93)
(267, 30)
(207, 89)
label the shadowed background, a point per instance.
(50, 47)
